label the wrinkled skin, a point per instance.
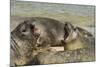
(49, 33)
(68, 56)
(23, 41)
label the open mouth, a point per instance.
(66, 33)
(35, 31)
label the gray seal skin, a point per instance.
(23, 41)
(68, 56)
(51, 31)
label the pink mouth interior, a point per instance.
(34, 30)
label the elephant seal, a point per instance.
(23, 41)
(51, 31)
(77, 38)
